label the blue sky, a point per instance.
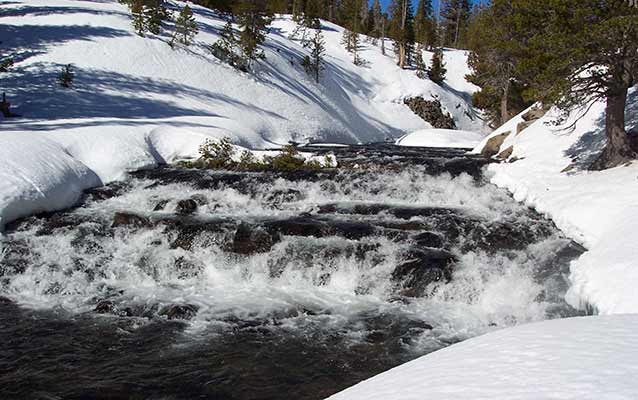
(384, 3)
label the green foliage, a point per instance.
(220, 154)
(421, 70)
(288, 160)
(185, 27)
(253, 18)
(66, 75)
(425, 24)
(455, 17)
(313, 64)
(227, 48)
(437, 70)
(401, 30)
(217, 154)
(494, 62)
(6, 63)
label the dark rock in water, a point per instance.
(428, 239)
(353, 230)
(422, 267)
(15, 258)
(105, 192)
(160, 205)
(430, 111)
(186, 207)
(250, 239)
(278, 197)
(189, 230)
(105, 307)
(200, 199)
(299, 226)
(179, 311)
(5, 300)
(127, 219)
(187, 268)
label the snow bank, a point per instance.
(598, 209)
(441, 138)
(575, 358)
(136, 103)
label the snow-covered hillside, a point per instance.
(136, 102)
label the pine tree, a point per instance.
(139, 20)
(455, 15)
(66, 75)
(494, 62)
(313, 64)
(253, 18)
(581, 52)
(424, 24)
(401, 30)
(421, 70)
(226, 48)
(376, 16)
(437, 70)
(185, 27)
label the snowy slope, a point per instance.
(441, 138)
(136, 102)
(575, 358)
(599, 209)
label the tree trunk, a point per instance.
(618, 149)
(505, 115)
(401, 55)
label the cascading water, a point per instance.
(193, 284)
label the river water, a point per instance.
(187, 284)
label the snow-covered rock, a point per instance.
(575, 358)
(441, 138)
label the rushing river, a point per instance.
(187, 284)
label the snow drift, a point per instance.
(573, 358)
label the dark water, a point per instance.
(184, 284)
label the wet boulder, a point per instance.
(105, 192)
(281, 196)
(105, 307)
(179, 311)
(428, 239)
(128, 219)
(160, 205)
(185, 207)
(253, 239)
(423, 267)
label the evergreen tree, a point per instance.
(376, 17)
(580, 52)
(253, 18)
(424, 24)
(401, 30)
(226, 48)
(139, 20)
(455, 15)
(313, 64)
(437, 70)
(494, 62)
(421, 70)
(66, 75)
(185, 27)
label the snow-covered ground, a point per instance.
(136, 103)
(598, 209)
(441, 138)
(575, 358)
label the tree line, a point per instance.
(567, 53)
